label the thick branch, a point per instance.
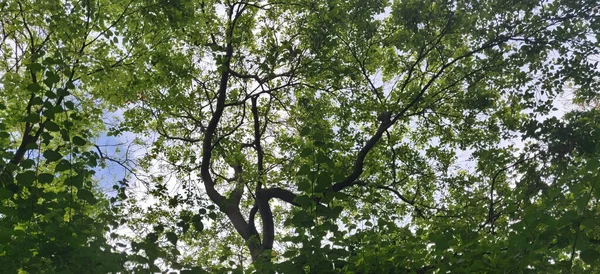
(266, 216)
(251, 225)
(231, 210)
(257, 144)
(279, 193)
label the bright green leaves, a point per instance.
(316, 175)
(329, 78)
(49, 199)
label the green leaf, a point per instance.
(35, 67)
(52, 126)
(323, 182)
(76, 181)
(304, 185)
(171, 237)
(307, 152)
(5, 193)
(319, 136)
(33, 87)
(50, 94)
(45, 178)
(62, 166)
(303, 200)
(324, 159)
(152, 237)
(31, 146)
(63, 93)
(52, 155)
(36, 101)
(199, 226)
(51, 112)
(305, 131)
(589, 256)
(78, 141)
(87, 196)
(27, 164)
(65, 135)
(304, 170)
(51, 78)
(159, 228)
(32, 118)
(70, 105)
(26, 178)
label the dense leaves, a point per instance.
(301, 136)
(52, 217)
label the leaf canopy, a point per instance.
(301, 136)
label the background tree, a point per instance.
(52, 216)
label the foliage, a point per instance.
(52, 216)
(306, 136)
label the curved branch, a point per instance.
(231, 210)
(350, 180)
(279, 193)
(251, 225)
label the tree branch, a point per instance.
(232, 212)
(279, 193)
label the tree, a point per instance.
(358, 136)
(53, 218)
(272, 109)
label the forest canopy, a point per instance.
(299, 136)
